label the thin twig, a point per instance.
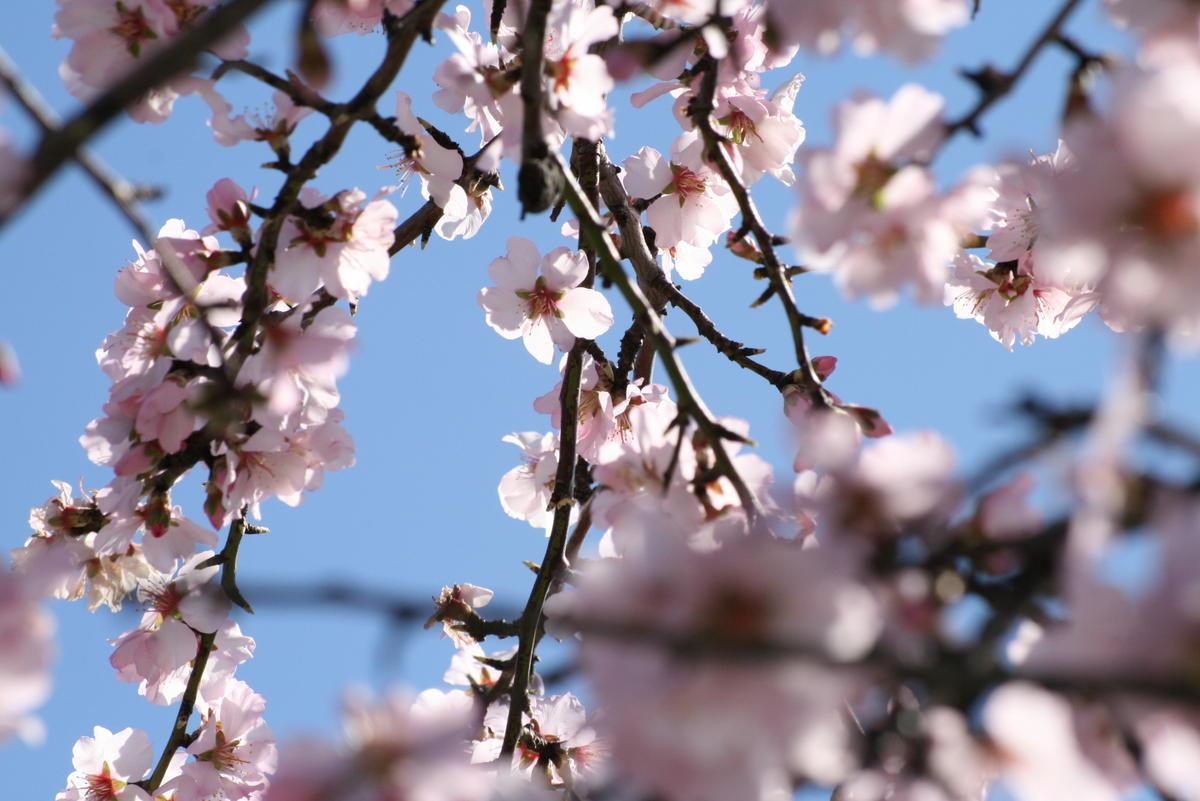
(592, 230)
(701, 113)
(995, 85)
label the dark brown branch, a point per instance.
(176, 57)
(660, 290)
(562, 500)
(752, 223)
(401, 34)
(178, 736)
(594, 232)
(995, 85)
(536, 181)
(299, 93)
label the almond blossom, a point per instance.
(234, 753)
(1045, 757)
(539, 299)
(394, 747)
(580, 81)
(107, 764)
(1129, 223)
(874, 218)
(603, 428)
(910, 29)
(1011, 300)
(718, 729)
(557, 740)
(437, 166)
(455, 605)
(26, 653)
(344, 252)
(471, 80)
(526, 489)
(176, 610)
(112, 36)
(689, 202)
(1157, 20)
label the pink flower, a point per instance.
(176, 609)
(579, 80)
(274, 127)
(1040, 737)
(910, 29)
(455, 605)
(234, 752)
(228, 208)
(1011, 300)
(438, 167)
(557, 739)
(690, 202)
(345, 254)
(335, 17)
(165, 415)
(394, 747)
(546, 309)
(107, 764)
(526, 489)
(471, 80)
(670, 731)
(764, 131)
(1127, 220)
(10, 366)
(109, 36)
(894, 483)
(26, 653)
(112, 37)
(873, 218)
(298, 365)
(604, 428)
(1156, 21)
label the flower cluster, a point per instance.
(866, 617)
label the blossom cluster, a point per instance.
(866, 617)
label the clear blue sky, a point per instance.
(432, 390)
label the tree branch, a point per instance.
(995, 85)
(701, 112)
(593, 231)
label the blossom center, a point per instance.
(184, 11)
(224, 756)
(132, 27)
(1168, 215)
(686, 183)
(102, 786)
(561, 72)
(541, 301)
(740, 126)
(872, 175)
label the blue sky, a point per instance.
(432, 390)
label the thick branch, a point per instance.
(562, 500)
